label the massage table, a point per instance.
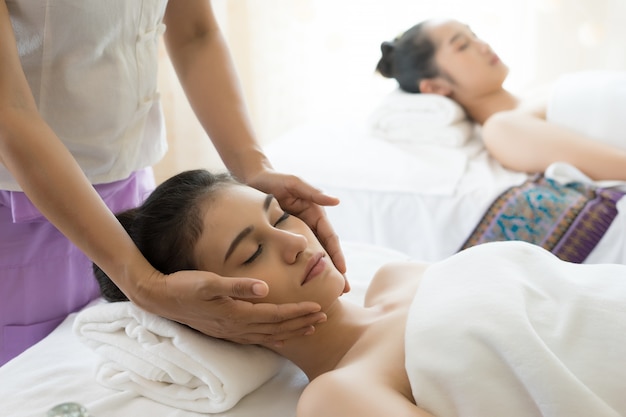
(423, 196)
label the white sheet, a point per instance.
(61, 369)
(346, 155)
(408, 202)
(390, 198)
(507, 329)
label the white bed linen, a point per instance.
(508, 329)
(403, 199)
(61, 369)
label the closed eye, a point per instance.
(259, 249)
(282, 218)
(255, 255)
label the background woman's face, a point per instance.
(468, 62)
(247, 234)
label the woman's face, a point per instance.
(468, 63)
(247, 234)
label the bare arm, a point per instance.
(202, 61)
(51, 177)
(206, 72)
(526, 142)
(55, 183)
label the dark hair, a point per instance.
(168, 224)
(409, 58)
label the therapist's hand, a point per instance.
(209, 303)
(304, 201)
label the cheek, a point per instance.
(281, 286)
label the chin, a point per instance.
(505, 72)
(334, 294)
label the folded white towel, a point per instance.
(169, 362)
(423, 118)
(591, 103)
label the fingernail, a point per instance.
(310, 331)
(258, 289)
(322, 319)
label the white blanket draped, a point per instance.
(171, 363)
(592, 103)
(507, 329)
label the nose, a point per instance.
(483, 46)
(291, 245)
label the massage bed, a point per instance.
(61, 368)
(413, 177)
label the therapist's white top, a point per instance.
(92, 68)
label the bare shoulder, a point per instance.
(395, 280)
(346, 393)
(534, 101)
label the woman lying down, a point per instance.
(498, 329)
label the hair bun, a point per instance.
(385, 64)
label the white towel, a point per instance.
(421, 118)
(171, 363)
(508, 329)
(592, 103)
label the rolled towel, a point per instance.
(169, 362)
(453, 136)
(424, 118)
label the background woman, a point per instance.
(445, 57)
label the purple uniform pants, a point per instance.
(43, 276)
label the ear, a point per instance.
(435, 86)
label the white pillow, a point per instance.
(423, 118)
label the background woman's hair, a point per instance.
(409, 58)
(168, 224)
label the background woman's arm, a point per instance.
(524, 141)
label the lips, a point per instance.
(314, 267)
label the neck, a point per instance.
(323, 350)
(483, 107)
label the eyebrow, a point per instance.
(458, 35)
(245, 232)
(455, 37)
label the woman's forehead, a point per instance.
(232, 201)
(442, 30)
(231, 210)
